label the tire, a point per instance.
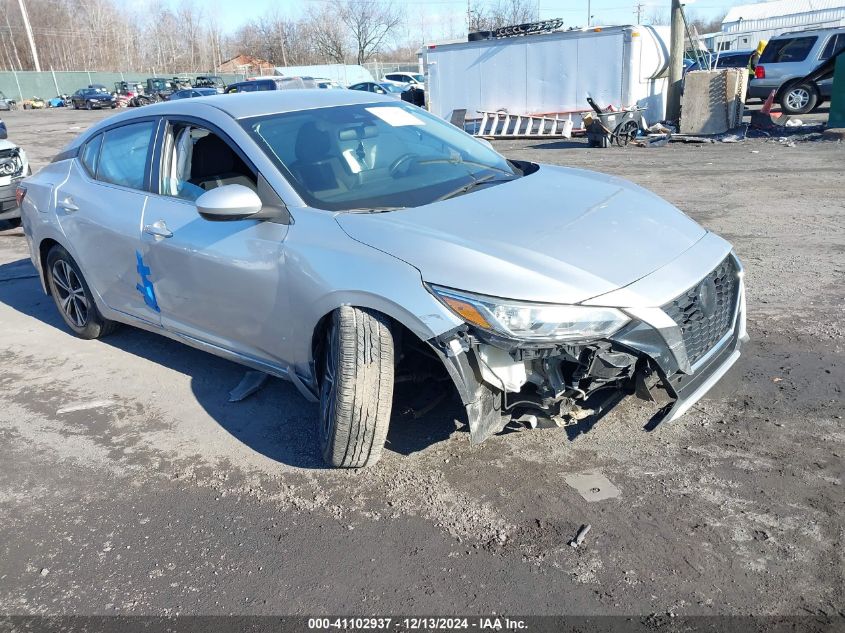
(356, 387)
(13, 223)
(799, 98)
(73, 297)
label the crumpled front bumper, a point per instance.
(652, 336)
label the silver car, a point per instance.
(345, 241)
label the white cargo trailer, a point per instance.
(551, 73)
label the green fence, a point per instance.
(27, 84)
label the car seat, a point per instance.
(214, 164)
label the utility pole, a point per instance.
(589, 14)
(639, 10)
(29, 35)
(676, 63)
(469, 17)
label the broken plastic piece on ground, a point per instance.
(84, 406)
(249, 384)
(579, 538)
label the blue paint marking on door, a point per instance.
(146, 286)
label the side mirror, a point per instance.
(229, 202)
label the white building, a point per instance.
(745, 25)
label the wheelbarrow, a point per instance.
(620, 127)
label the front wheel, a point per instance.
(73, 297)
(356, 387)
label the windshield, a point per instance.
(393, 88)
(419, 78)
(374, 156)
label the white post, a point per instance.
(28, 27)
(20, 92)
(55, 83)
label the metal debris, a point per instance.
(249, 384)
(579, 538)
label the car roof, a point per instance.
(808, 33)
(243, 105)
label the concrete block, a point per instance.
(714, 101)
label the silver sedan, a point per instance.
(344, 240)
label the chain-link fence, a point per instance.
(378, 69)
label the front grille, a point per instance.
(705, 312)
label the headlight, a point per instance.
(533, 321)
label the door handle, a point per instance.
(67, 204)
(158, 229)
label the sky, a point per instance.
(439, 18)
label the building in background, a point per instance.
(246, 65)
(745, 25)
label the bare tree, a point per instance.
(488, 17)
(658, 17)
(370, 24)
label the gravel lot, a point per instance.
(130, 486)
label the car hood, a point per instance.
(5, 144)
(558, 235)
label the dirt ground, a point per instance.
(129, 485)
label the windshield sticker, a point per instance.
(396, 117)
(146, 286)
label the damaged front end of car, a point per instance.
(558, 365)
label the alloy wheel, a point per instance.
(797, 98)
(71, 293)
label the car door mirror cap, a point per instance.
(229, 202)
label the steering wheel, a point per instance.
(405, 160)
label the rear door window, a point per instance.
(834, 46)
(125, 155)
(793, 49)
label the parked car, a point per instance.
(6, 104)
(271, 83)
(193, 92)
(412, 79)
(328, 84)
(128, 88)
(91, 98)
(787, 59)
(211, 81)
(345, 240)
(14, 166)
(724, 59)
(384, 88)
(35, 103)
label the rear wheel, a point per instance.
(356, 387)
(799, 98)
(73, 297)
